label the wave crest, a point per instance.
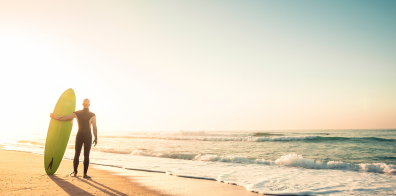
(290, 160)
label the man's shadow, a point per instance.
(101, 187)
(67, 186)
(71, 188)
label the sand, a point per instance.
(179, 186)
(23, 173)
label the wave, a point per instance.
(196, 133)
(295, 160)
(360, 139)
(290, 160)
(171, 155)
(248, 138)
(114, 150)
(31, 142)
(263, 139)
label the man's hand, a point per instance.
(95, 142)
(63, 118)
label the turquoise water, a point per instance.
(317, 162)
(351, 146)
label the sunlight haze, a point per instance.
(200, 65)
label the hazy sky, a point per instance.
(201, 65)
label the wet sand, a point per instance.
(23, 173)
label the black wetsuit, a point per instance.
(84, 136)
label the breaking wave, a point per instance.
(295, 160)
(290, 160)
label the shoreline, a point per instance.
(24, 177)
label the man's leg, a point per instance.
(87, 149)
(78, 147)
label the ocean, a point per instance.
(310, 162)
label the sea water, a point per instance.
(317, 162)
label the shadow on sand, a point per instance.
(71, 188)
(68, 187)
(101, 187)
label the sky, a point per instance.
(200, 65)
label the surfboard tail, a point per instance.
(50, 164)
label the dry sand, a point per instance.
(23, 173)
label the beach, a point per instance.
(23, 174)
(331, 162)
(192, 98)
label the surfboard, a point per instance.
(59, 132)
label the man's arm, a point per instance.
(95, 130)
(63, 118)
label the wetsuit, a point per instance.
(84, 136)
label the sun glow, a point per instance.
(146, 68)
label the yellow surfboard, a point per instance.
(59, 132)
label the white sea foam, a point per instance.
(269, 179)
(378, 168)
(230, 159)
(115, 150)
(289, 160)
(286, 175)
(296, 160)
(292, 160)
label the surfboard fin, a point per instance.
(50, 164)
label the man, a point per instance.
(85, 120)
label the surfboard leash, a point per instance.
(50, 164)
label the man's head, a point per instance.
(86, 103)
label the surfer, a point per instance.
(85, 120)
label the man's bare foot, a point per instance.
(86, 176)
(73, 174)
